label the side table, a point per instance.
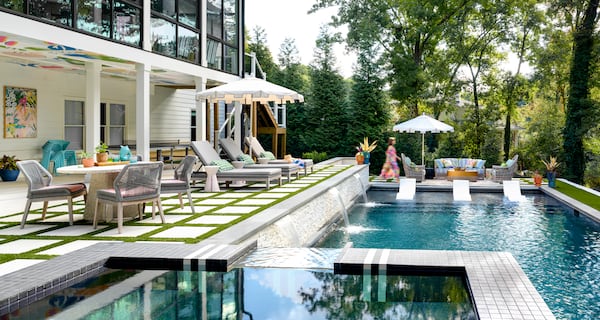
(211, 183)
(238, 165)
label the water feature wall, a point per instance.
(302, 220)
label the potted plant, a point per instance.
(102, 152)
(551, 166)
(87, 159)
(364, 151)
(8, 168)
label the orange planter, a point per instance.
(360, 158)
(87, 162)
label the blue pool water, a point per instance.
(558, 249)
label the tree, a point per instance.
(579, 117)
(326, 112)
(369, 114)
(410, 34)
(258, 45)
(525, 19)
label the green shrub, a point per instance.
(315, 156)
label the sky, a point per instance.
(290, 19)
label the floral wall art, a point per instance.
(20, 112)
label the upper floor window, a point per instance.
(222, 28)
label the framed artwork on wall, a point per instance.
(20, 112)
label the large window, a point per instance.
(94, 16)
(222, 28)
(112, 124)
(74, 124)
(58, 11)
(127, 23)
(175, 30)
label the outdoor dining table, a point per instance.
(101, 177)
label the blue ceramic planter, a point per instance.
(551, 179)
(9, 175)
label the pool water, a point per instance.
(263, 293)
(558, 249)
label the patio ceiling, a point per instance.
(38, 54)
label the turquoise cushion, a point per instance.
(267, 154)
(223, 165)
(509, 162)
(480, 164)
(407, 160)
(246, 158)
(439, 163)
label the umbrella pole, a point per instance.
(422, 148)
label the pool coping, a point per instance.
(499, 287)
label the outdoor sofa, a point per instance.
(442, 166)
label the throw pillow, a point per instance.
(480, 164)
(407, 160)
(509, 162)
(267, 154)
(439, 163)
(223, 165)
(246, 158)
(447, 163)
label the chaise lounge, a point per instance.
(208, 156)
(506, 171)
(259, 152)
(235, 153)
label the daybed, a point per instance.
(442, 166)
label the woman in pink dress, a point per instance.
(390, 169)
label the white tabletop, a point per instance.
(80, 169)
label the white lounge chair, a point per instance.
(512, 190)
(258, 150)
(460, 190)
(408, 188)
(207, 154)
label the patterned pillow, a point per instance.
(246, 158)
(439, 163)
(480, 164)
(267, 154)
(447, 163)
(223, 165)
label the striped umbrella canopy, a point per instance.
(423, 124)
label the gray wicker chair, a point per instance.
(136, 184)
(40, 188)
(412, 170)
(181, 183)
(502, 173)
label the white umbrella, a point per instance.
(248, 90)
(422, 124)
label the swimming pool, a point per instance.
(257, 293)
(558, 249)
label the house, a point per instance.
(118, 71)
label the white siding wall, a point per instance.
(170, 109)
(170, 114)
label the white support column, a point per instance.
(237, 121)
(92, 105)
(203, 38)
(201, 119)
(142, 110)
(146, 26)
(284, 115)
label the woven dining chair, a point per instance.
(40, 188)
(181, 183)
(136, 184)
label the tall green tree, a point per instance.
(258, 45)
(580, 114)
(410, 34)
(326, 104)
(369, 113)
(525, 19)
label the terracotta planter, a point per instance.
(537, 180)
(360, 158)
(87, 162)
(102, 157)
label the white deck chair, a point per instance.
(512, 190)
(460, 190)
(408, 188)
